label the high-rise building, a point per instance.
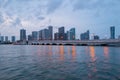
(2, 38)
(72, 34)
(68, 35)
(23, 35)
(6, 39)
(62, 34)
(50, 30)
(40, 34)
(61, 30)
(29, 37)
(65, 36)
(56, 36)
(13, 38)
(45, 34)
(119, 37)
(112, 32)
(96, 37)
(85, 36)
(34, 35)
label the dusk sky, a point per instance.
(33, 15)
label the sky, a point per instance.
(34, 15)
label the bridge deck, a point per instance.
(109, 42)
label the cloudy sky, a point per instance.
(33, 15)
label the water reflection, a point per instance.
(69, 50)
(87, 49)
(54, 63)
(50, 50)
(93, 59)
(92, 53)
(61, 51)
(39, 50)
(73, 53)
(106, 52)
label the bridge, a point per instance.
(105, 42)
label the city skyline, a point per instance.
(60, 39)
(61, 34)
(37, 14)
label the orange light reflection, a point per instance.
(50, 50)
(93, 57)
(106, 52)
(73, 52)
(61, 51)
(92, 53)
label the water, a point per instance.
(20, 62)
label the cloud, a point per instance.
(41, 18)
(31, 14)
(1, 18)
(17, 22)
(16, 12)
(4, 18)
(4, 3)
(93, 4)
(53, 5)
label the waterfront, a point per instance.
(31, 62)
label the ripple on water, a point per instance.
(27, 65)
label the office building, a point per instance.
(2, 38)
(13, 38)
(29, 37)
(112, 32)
(61, 30)
(68, 35)
(22, 35)
(85, 36)
(119, 37)
(40, 35)
(45, 34)
(62, 34)
(50, 32)
(96, 37)
(34, 35)
(56, 36)
(6, 38)
(71, 34)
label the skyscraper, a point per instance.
(96, 37)
(13, 38)
(72, 34)
(30, 37)
(34, 35)
(119, 37)
(56, 36)
(85, 36)
(61, 30)
(68, 35)
(6, 39)
(62, 34)
(22, 35)
(45, 34)
(50, 30)
(2, 38)
(40, 35)
(112, 32)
